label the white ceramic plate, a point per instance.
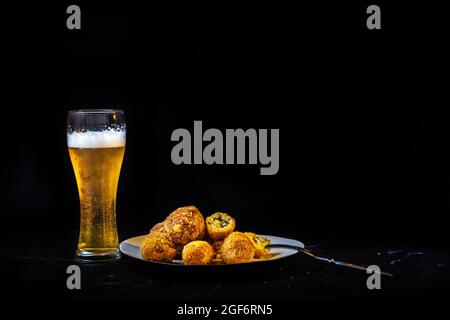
(131, 247)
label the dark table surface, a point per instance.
(37, 270)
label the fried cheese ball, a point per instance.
(237, 248)
(184, 225)
(159, 227)
(216, 245)
(157, 246)
(197, 252)
(259, 243)
(220, 225)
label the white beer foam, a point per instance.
(96, 139)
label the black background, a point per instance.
(362, 117)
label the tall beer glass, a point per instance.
(96, 141)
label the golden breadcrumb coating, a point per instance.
(216, 245)
(198, 252)
(180, 234)
(237, 248)
(220, 225)
(184, 225)
(259, 243)
(159, 227)
(157, 246)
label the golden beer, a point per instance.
(97, 172)
(96, 141)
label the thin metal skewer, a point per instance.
(332, 261)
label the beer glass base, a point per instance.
(95, 256)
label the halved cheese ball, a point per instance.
(259, 243)
(220, 225)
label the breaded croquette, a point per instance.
(216, 245)
(220, 225)
(184, 225)
(198, 252)
(237, 248)
(259, 243)
(159, 227)
(157, 246)
(181, 235)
